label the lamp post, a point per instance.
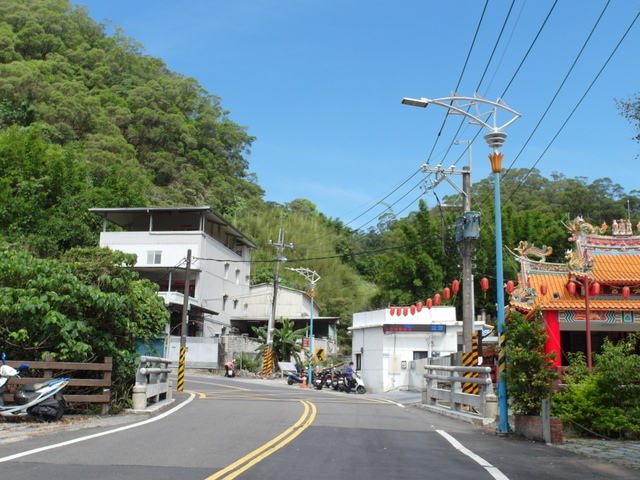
(459, 105)
(312, 277)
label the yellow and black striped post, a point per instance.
(181, 365)
(267, 362)
(502, 357)
(470, 359)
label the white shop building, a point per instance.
(391, 349)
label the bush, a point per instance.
(607, 401)
(244, 362)
(529, 370)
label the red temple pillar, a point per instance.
(552, 326)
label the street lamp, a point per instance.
(312, 277)
(459, 105)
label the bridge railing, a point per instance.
(152, 382)
(444, 391)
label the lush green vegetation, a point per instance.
(529, 370)
(604, 402)
(82, 307)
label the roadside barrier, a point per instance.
(152, 382)
(82, 375)
(444, 393)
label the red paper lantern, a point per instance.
(429, 303)
(510, 286)
(413, 309)
(571, 287)
(446, 293)
(405, 311)
(392, 311)
(595, 289)
(419, 306)
(626, 292)
(543, 288)
(436, 299)
(484, 284)
(455, 286)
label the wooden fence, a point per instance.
(74, 371)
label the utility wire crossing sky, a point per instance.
(320, 83)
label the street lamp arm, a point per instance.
(311, 276)
(454, 105)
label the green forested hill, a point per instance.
(137, 130)
(88, 120)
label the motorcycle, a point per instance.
(39, 400)
(337, 380)
(296, 377)
(355, 384)
(321, 378)
(230, 369)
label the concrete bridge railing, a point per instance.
(444, 393)
(152, 382)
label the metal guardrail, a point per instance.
(444, 390)
(152, 382)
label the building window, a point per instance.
(224, 302)
(238, 276)
(235, 304)
(154, 257)
(358, 361)
(419, 355)
(226, 271)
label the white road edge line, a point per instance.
(493, 471)
(101, 434)
(395, 403)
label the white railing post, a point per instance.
(152, 382)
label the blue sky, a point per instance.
(319, 84)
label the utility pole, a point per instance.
(183, 334)
(467, 231)
(280, 246)
(460, 105)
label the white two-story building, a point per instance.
(219, 271)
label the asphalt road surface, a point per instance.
(222, 428)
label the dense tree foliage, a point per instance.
(605, 401)
(127, 118)
(340, 291)
(82, 308)
(530, 371)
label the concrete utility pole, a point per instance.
(467, 231)
(183, 334)
(280, 246)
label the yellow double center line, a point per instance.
(259, 454)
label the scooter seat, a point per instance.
(32, 387)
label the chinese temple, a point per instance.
(593, 296)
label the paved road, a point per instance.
(235, 428)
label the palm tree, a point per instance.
(286, 340)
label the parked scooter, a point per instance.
(40, 400)
(321, 378)
(230, 369)
(296, 377)
(337, 380)
(355, 384)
